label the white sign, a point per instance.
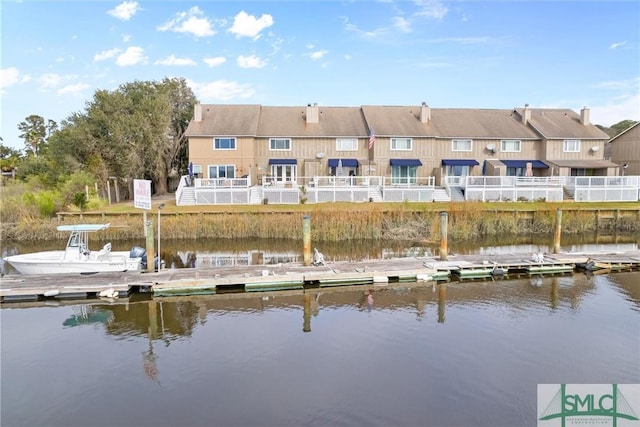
(142, 193)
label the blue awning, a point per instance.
(459, 162)
(535, 164)
(347, 163)
(283, 162)
(405, 162)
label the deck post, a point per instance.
(558, 232)
(148, 232)
(306, 240)
(443, 235)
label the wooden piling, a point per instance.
(558, 232)
(443, 235)
(306, 240)
(148, 227)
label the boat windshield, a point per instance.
(74, 240)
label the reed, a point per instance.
(381, 223)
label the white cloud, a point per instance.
(125, 10)
(245, 25)
(432, 9)
(215, 62)
(373, 34)
(126, 38)
(73, 89)
(50, 80)
(105, 54)
(9, 77)
(624, 85)
(250, 62)
(221, 90)
(172, 60)
(617, 45)
(318, 54)
(132, 56)
(616, 110)
(192, 22)
(401, 24)
(623, 102)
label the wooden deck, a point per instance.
(294, 276)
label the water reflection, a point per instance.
(225, 253)
(416, 350)
(165, 320)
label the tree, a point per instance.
(620, 127)
(134, 131)
(137, 131)
(35, 132)
(9, 158)
(181, 100)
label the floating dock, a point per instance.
(293, 276)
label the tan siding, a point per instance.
(201, 153)
(555, 150)
(626, 149)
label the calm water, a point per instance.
(211, 252)
(456, 354)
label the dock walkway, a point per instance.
(253, 278)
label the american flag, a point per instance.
(372, 139)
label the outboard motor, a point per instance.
(138, 252)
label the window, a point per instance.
(571, 145)
(404, 144)
(461, 144)
(510, 145)
(346, 144)
(222, 171)
(404, 174)
(457, 170)
(284, 173)
(197, 170)
(280, 144)
(516, 171)
(224, 143)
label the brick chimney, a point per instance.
(197, 113)
(312, 113)
(526, 114)
(425, 113)
(584, 116)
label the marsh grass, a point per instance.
(329, 222)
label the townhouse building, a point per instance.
(290, 146)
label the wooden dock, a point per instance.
(294, 276)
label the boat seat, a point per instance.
(105, 250)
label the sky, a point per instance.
(450, 54)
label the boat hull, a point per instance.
(53, 262)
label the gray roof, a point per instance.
(226, 120)
(474, 123)
(292, 122)
(273, 121)
(562, 124)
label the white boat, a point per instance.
(77, 257)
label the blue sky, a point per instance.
(450, 54)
